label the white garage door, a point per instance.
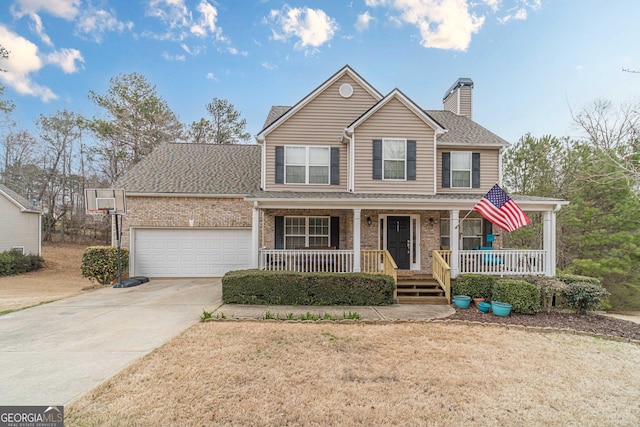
(166, 252)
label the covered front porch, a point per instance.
(432, 239)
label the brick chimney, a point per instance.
(458, 98)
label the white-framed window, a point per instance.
(460, 169)
(306, 231)
(471, 233)
(307, 165)
(394, 159)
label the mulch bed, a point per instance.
(593, 323)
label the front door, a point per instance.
(399, 240)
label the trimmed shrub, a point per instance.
(13, 262)
(571, 278)
(100, 263)
(583, 296)
(553, 292)
(293, 288)
(474, 285)
(523, 296)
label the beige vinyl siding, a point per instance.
(451, 103)
(394, 120)
(18, 228)
(488, 170)
(319, 123)
(465, 101)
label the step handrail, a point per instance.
(442, 273)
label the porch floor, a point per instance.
(418, 288)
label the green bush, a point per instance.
(293, 288)
(474, 285)
(583, 296)
(100, 263)
(13, 262)
(553, 292)
(571, 278)
(523, 296)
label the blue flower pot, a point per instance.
(500, 308)
(462, 301)
(484, 307)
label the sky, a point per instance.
(533, 62)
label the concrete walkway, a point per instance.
(53, 353)
(56, 352)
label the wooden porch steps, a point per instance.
(419, 289)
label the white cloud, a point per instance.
(234, 51)
(39, 28)
(211, 76)
(94, 22)
(269, 66)
(363, 21)
(207, 22)
(493, 4)
(519, 15)
(66, 59)
(180, 20)
(66, 9)
(443, 24)
(166, 55)
(313, 27)
(171, 12)
(23, 60)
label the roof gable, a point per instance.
(462, 130)
(278, 115)
(407, 102)
(22, 203)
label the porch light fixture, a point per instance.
(432, 222)
(369, 221)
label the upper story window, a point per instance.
(461, 170)
(307, 165)
(394, 158)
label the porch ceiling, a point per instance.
(345, 200)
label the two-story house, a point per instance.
(347, 179)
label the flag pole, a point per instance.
(465, 217)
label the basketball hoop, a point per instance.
(101, 211)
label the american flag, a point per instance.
(498, 208)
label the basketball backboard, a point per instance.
(105, 201)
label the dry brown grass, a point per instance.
(327, 374)
(60, 278)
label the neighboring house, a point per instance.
(20, 225)
(346, 169)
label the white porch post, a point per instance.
(454, 241)
(255, 235)
(549, 242)
(356, 240)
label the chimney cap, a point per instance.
(462, 81)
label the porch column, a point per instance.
(454, 241)
(549, 242)
(255, 235)
(356, 240)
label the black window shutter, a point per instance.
(446, 169)
(487, 228)
(279, 227)
(335, 166)
(377, 159)
(411, 160)
(475, 170)
(279, 164)
(335, 232)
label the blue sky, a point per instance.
(532, 61)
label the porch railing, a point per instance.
(503, 262)
(307, 260)
(442, 271)
(378, 262)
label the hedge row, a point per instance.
(578, 293)
(13, 262)
(293, 288)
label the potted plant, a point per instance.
(477, 286)
(500, 308)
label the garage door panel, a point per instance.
(190, 252)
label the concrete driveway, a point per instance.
(54, 353)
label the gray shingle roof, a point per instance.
(461, 129)
(22, 201)
(218, 169)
